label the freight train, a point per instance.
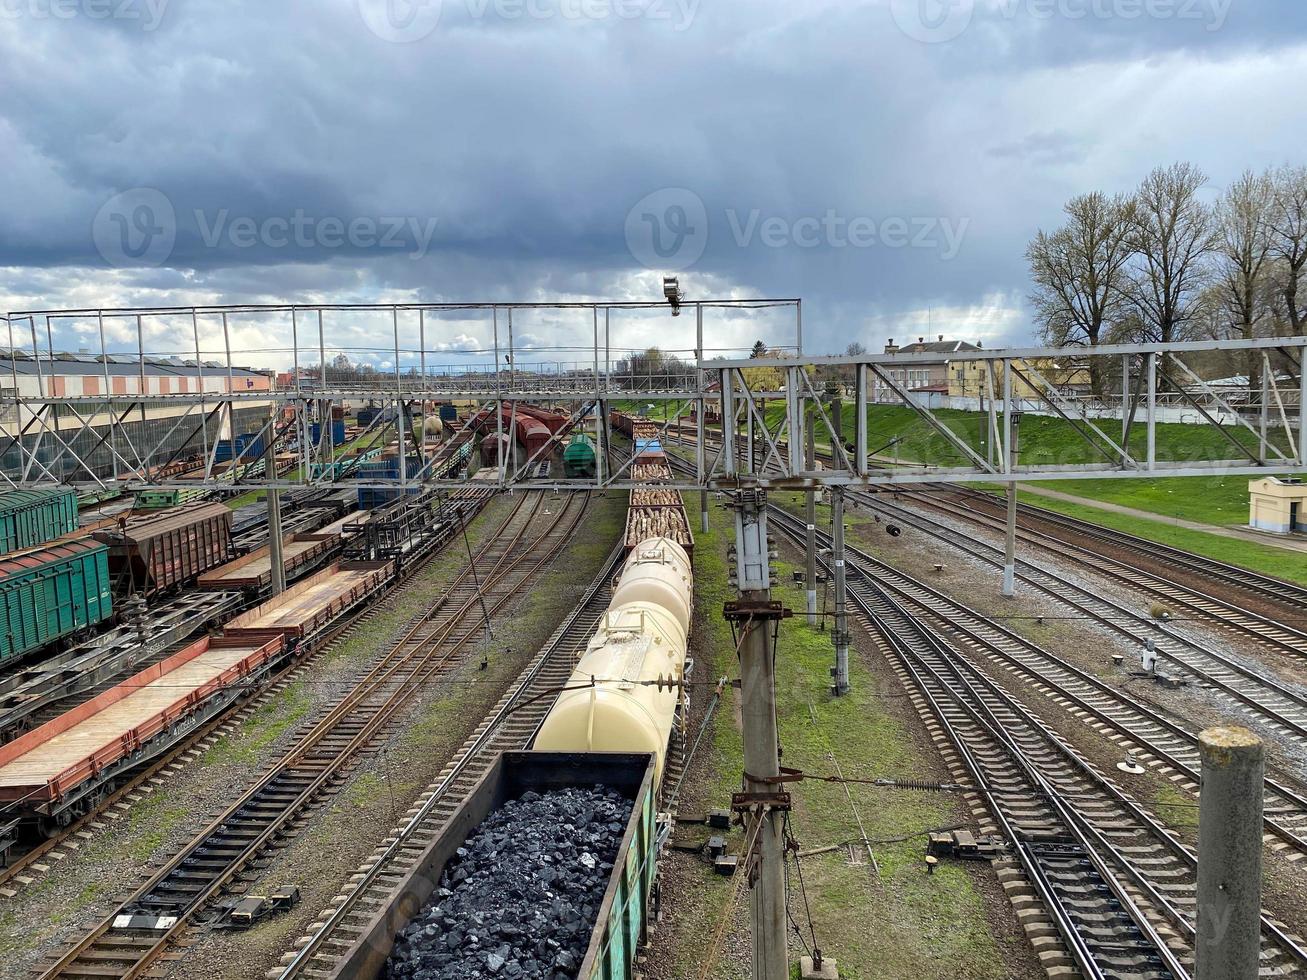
(605, 739)
(60, 770)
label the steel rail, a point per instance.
(988, 698)
(1155, 734)
(523, 705)
(127, 953)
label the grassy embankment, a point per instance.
(1221, 501)
(900, 923)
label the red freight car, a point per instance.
(533, 436)
(552, 421)
(162, 551)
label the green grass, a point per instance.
(900, 923)
(267, 724)
(1290, 565)
(1218, 500)
(150, 822)
(1044, 440)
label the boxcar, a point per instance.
(49, 593)
(32, 517)
(154, 554)
(621, 924)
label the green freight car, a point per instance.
(32, 517)
(51, 593)
(579, 457)
(621, 923)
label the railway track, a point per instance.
(24, 869)
(1105, 706)
(1251, 689)
(1118, 887)
(1160, 570)
(1255, 584)
(140, 932)
(510, 725)
(1245, 622)
(1281, 705)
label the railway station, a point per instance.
(650, 490)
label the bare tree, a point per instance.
(1289, 242)
(1079, 273)
(1173, 234)
(1245, 221)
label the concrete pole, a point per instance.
(840, 636)
(703, 511)
(761, 740)
(274, 509)
(1229, 855)
(1010, 544)
(811, 515)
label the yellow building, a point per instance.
(1277, 504)
(967, 378)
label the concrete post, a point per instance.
(1229, 855)
(274, 511)
(840, 635)
(761, 739)
(811, 515)
(703, 511)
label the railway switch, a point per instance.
(964, 845)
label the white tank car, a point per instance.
(658, 571)
(642, 638)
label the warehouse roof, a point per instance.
(117, 364)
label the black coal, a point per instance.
(520, 899)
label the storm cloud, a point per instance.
(885, 161)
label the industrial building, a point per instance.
(157, 420)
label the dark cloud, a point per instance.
(303, 156)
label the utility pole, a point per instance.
(278, 567)
(811, 515)
(840, 635)
(1229, 934)
(763, 803)
(1010, 549)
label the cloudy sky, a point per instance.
(885, 160)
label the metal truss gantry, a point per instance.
(769, 403)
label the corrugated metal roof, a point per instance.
(118, 365)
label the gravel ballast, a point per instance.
(520, 899)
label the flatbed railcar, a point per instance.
(32, 517)
(50, 594)
(253, 572)
(55, 773)
(621, 922)
(311, 604)
(156, 554)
